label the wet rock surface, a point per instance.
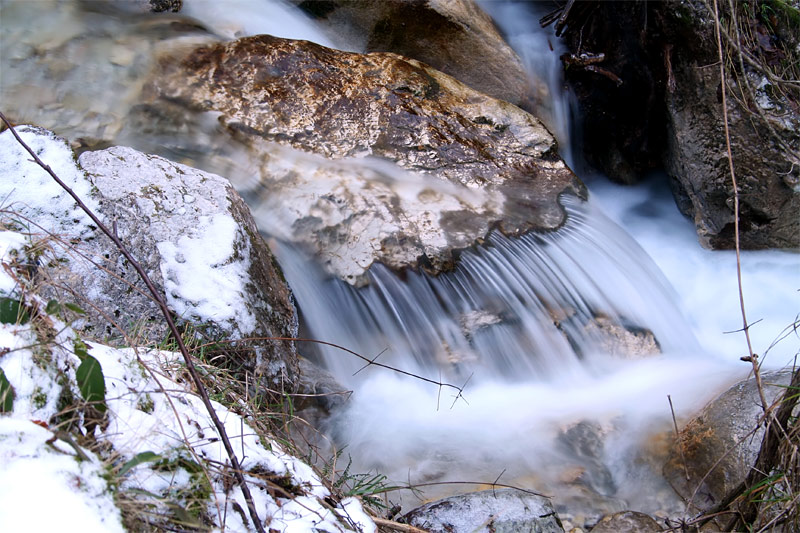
(498, 511)
(623, 339)
(719, 445)
(344, 105)
(455, 37)
(675, 41)
(627, 522)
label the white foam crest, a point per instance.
(413, 432)
(705, 280)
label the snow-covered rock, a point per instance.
(189, 230)
(153, 458)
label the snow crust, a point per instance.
(195, 264)
(45, 487)
(204, 254)
(26, 187)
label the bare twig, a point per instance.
(678, 438)
(237, 470)
(369, 362)
(745, 324)
(397, 526)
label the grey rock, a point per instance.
(81, 67)
(158, 6)
(497, 511)
(720, 445)
(191, 233)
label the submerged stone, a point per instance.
(627, 522)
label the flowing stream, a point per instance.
(531, 328)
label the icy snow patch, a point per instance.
(144, 420)
(39, 471)
(201, 280)
(44, 486)
(11, 247)
(25, 183)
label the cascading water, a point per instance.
(518, 310)
(535, 326)
(531, 325)
(540, 51)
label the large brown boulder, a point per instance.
(270, 92)
(453, 36)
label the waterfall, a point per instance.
(523, 309)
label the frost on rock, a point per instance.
(189, 230)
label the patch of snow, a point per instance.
(46, 205)
(34, 376)
(202, 280)
(45, 486)
(144, 420)
(12, 246)
(150, 409)
(352, 509)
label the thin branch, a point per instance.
(753, 356)
(678, 439)
(237, 470)
(417, 486)
(397, 526)
(370, 362)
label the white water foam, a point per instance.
(529, 381)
